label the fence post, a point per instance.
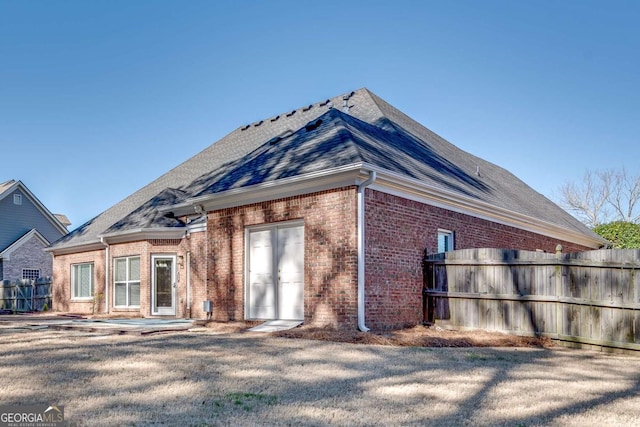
(558, 273)
(427, 283)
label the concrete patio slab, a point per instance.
(141, 326)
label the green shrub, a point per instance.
(621, 234)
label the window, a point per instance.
(445, 241)
(17, 199)
(30, 273)
(127, 282)
(82, 280)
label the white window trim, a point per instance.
(127, 282)
(450, 235)
(73, 279)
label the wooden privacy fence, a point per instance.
(26, 295)
(587, 297)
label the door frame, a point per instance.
(275, 258)
(165, 311)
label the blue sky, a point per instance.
(99, 98)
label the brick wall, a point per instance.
(397, 233)
(330, 254)
(193, 247)
(30, 255)
(196, 245)
(61, 299)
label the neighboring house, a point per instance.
(321, 214)
(26, 229)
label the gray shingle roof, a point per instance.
(337, 139)
(318, 137)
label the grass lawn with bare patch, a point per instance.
(220, 376)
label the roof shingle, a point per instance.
(319, 137)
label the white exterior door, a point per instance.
(163, 285)
(261, 292)
(275, 288)
(290, 288)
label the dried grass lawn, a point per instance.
(418, 336)
(223, 376)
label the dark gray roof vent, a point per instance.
(308, 108)
(275, 118)
(245, 127)
(259, 123)
(280, 137)
(347, 96)
(345, 102)
(322, 104)
(313, 126)
(291, 113)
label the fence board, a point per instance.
(583, 297)
(25, 295)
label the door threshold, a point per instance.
(276, 325)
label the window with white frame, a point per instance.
(445, 241)
(126, 281)
(17, 199)
(30, 273)
(82, 280)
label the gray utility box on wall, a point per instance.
(207, 307)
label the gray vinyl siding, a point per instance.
(17, 220)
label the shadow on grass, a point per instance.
(249, 379)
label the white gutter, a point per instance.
(188, 274)
(361, 258)
(106, 275)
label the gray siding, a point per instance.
(17, 220)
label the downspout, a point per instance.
(106, 275)
(188, 274)
(361, 258)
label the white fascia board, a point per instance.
(6, 254)
(121, 237)
(387, 182)
(93, 245)
(287, 187)
(409, 188)
(143, 234)
(8, 190)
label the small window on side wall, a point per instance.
(445, 241)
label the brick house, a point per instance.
(320, 214)
(27, 228)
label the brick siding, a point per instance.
(195, 244)
(31, 255)
(330, 254)
(61, 298)
(397, 233)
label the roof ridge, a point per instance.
(289, 113)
